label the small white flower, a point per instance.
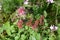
(56, 27)
(53, 28)
(26, 2)
(0, 7)
(50, 1)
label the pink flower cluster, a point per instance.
(21, 11)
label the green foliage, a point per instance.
(9, 5)
(50, 13)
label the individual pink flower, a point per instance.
(53, 28)
(21, 11)
(50, 1)
(19, 23)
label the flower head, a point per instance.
(21, 11)
(26, 2)
(50, 1)
(53, 28)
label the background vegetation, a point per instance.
(40, 15)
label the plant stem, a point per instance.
(56, 20)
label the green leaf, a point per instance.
(52, 37)
(17, 37)
(44, 38)
(23, 37)
(8, 32)
(38, 36)
(6, 27)
(12, 28)
(33, 38)
(26, 27)
(1, 30)
(37, 16)
(45, 13)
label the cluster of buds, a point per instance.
(29, 23)
(32, 25)
(53, 28)
(50, 1)
(35, 25)
(41, 20)
(26, 2)
(19, 24)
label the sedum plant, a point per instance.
(30, 20)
